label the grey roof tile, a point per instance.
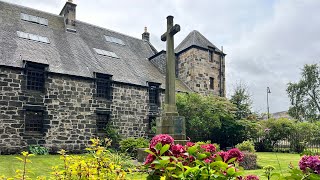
(194, 38)
(73, 53)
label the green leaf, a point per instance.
(231, 160)
(201, 156)
(165, 157)
(218, 158)
(171, 168)
(231, 171)
(192, 150)
(158, 146)
(150, 152)
(164, 149)
(20, 159)
(164, 162)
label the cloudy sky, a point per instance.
(267, 41)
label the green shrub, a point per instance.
(246, 146)
(249, 161)
(112, 133)
(38, 150)
(130, 145)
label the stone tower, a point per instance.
(201, 65)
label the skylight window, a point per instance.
(33, 37)
(106, 53)
(114, 40)
(34, 19)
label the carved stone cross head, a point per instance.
(171, 30)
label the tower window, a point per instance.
(102, 122)
(103, 85)
(211, 83)
(34, 121)
(154, 94)
(210, 56)
(35, 76)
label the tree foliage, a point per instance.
(203, 114)
(241, 98)
(305, 95)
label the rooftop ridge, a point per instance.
(20, 6)
(97, 26)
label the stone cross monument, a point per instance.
(170, 122)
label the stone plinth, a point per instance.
(174, 126)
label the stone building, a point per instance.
(63, 80)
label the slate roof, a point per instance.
(195, 38)
(73, 53)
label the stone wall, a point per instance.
(70, 106)
(195, 70)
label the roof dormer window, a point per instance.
(106, 53)
(33, 37)
(34, 19)
(114, 40)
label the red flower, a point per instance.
(150, 158)
(251, 177)
(208, 160)
(209, 148)
(235, 153)
(177, 150)
(223, 155)
(162, 138)
(190, 144)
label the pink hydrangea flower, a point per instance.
(251, 177)
(224, 155)
(150, 158)
(235, 152)
(177, 150)
(162, 138)
(190, 144)
(209, 148)
(312, 162)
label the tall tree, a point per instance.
(242, 99)
(305, 95)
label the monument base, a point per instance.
(173, 126)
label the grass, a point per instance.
(41, 165)
(279, 160)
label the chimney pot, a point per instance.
(146, 35)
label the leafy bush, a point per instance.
(203, 114)
(130, 145)
(98, 163)
(246, 146)
(249, 161)
(167, 160)
(112, 133)
(38, 150)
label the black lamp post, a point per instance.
(268, 91)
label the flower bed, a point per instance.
(199, 160)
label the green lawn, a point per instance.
(41, 165)
(279, 160)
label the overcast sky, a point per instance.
(267, 42)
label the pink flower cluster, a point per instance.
(232, 153)
(251, 177)
(311, 162)
(178, 150)
(162, 138)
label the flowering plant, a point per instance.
(192, 161)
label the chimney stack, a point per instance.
(146, 35)
(69, 14)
